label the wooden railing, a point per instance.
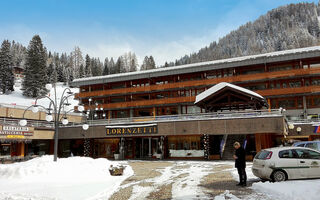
(191, 99)
(147, 102)
(288, 91)
(231, 79)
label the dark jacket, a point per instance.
(241, 160)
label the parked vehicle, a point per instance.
(308, 144)
(283, 163)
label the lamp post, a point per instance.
(55, 112)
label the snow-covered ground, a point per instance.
(16, 97)
(69, 178)
(89, 179)
(292, 189)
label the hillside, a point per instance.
(287, 27)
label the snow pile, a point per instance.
(226, 195)
(68, 178)
(16, 97)
(294, 190)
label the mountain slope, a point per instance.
(286, 27)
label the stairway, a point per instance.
(229, 149)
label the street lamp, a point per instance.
(58, 108)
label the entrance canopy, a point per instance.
(226, 96)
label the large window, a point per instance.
(184, 142)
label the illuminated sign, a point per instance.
(10, 131)
(132, 130)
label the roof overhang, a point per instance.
(206, 98)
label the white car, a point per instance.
(283, 163)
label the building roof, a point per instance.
(221, 86)
(278, 56)
(226, 96)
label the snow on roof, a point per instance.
(200, 64)
(220, 86)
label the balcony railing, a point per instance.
(186, 117)
(30, 123)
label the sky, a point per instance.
(165, 29)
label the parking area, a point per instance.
(183, 180)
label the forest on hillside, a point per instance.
(286, 27)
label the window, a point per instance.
(263, 155)
(307, 154)
(287, 154)
(312, 146)
(300, 145)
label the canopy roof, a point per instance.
(226, 96)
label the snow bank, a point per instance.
(293, 190)
(68, 178)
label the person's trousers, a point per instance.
(242, 175)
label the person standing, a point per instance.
(240, 163)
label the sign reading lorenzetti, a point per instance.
(16, 132)
(132, 130)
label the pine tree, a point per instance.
(106, 67)
(145, 63)
(111, 66)
(35, 72)
(6, 71)
(81, 71)
(87, 69)
(152, 64)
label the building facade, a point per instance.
(286, 79)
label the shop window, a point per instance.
(184, 142)
(5, 149)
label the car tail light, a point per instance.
(269, 155)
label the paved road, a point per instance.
(164, 180)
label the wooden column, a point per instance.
(20, 149)
(258, 142)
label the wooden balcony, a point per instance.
(205, 82)
(191, 99)
(152, 102)
(289, 91)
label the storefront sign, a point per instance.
(132, 130)
(15, 131)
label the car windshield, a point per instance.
(262, 155)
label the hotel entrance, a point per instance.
(146, 148)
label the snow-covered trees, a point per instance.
(35, 69)
(76, 60)
(148, 63)
(6, 73)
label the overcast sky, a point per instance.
(165, 29)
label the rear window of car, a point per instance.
(262, 155)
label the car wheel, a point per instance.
(279, 176)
